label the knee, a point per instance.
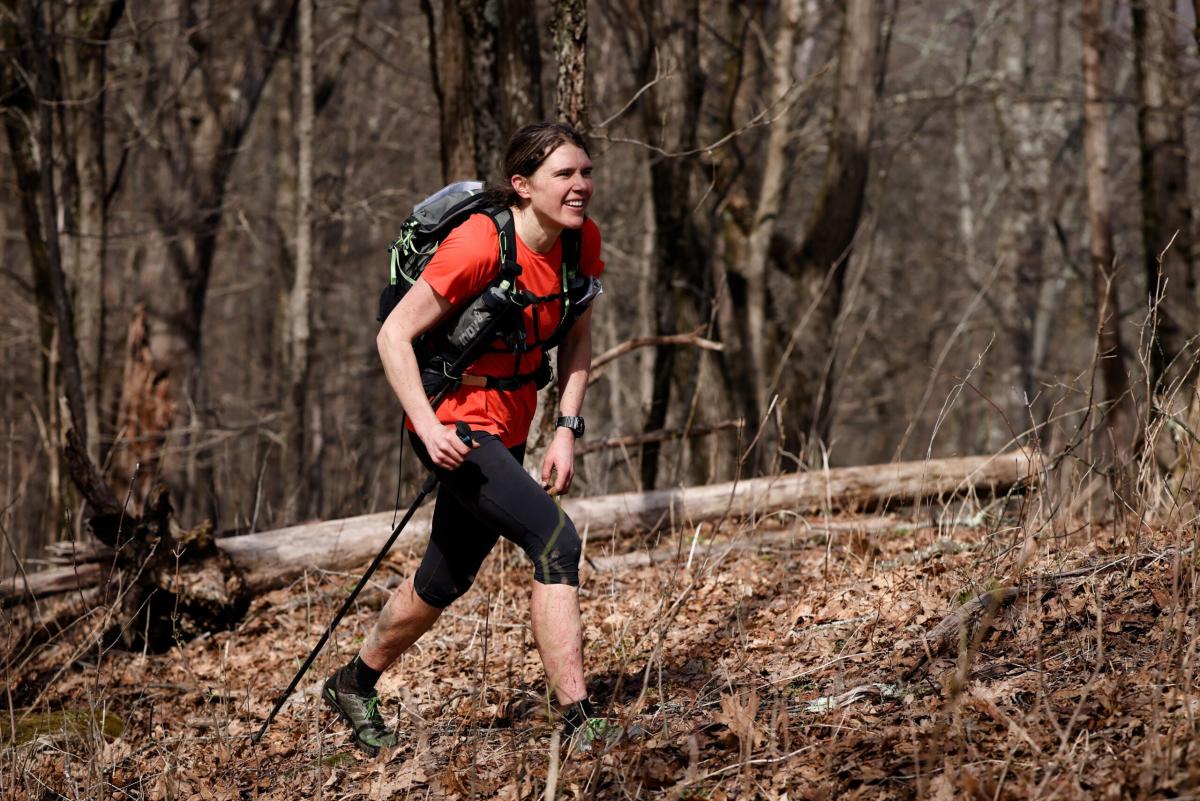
(439, 589)
(558, 560)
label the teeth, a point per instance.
(578, 204)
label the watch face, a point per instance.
(578, 428)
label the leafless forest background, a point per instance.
(880, 210)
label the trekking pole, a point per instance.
(464, 433)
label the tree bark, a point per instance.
(770, 196)
(676, 240)
(570, 47)
(1166, 207)
(299, 312)
(820, 262)
(1117, 400)
(85, 78)
(520, 56)
(481, 37)
(46, 93)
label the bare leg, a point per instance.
(557, 631)
(403, 620)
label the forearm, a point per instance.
(574, 364)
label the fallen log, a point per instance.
(48, 582)
(270, 558)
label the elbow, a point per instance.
(387, 340)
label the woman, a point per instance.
(485, 493)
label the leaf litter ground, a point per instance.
(790, 665)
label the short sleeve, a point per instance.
(467, 260)
(589, 256)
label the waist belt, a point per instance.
(433, 379)
(507, 384)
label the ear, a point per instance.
(520, 185)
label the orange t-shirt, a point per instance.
(467, 261)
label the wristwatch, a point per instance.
(573, 423)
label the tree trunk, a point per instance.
(85, 74)
(1166, 208)
(1116, 400)
(520, 56)
(820, 263)
(675, 236)
(299, 313)
(20, 112)
(570, 46)
(770, 195)
(481, 42)
(201, 138)
(63, 312)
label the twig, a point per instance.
(691, 338)
(656, 436)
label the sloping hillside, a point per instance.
(790, 665)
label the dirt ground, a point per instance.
(792, 665)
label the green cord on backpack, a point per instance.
(496, 312)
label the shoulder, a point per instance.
(476, 229)
(466, 261)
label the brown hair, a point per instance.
(527, 149)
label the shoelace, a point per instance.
(372, 714)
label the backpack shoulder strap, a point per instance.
(572, 247)
(506, 230)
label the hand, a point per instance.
(446, 449)
(558, 468)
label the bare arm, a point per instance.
(418, 311)
(574, 362)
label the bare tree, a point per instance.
(199, 102)
(1166, 207)
(486, 70)
(570, 46)
(88, 27)
(676, 240)
(820, 262)
(770, 196)
(520, 59)
(1120, 413)
(299, 311)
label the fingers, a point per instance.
(447, 450)
(563, 482)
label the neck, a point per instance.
(535, 232)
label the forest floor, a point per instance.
(794, 668)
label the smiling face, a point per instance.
(560, 188)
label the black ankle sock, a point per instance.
(357, 675)
(575, 714)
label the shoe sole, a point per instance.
(370, 750)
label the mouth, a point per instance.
(575, 204)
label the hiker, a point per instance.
(485, 492)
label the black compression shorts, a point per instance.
(491, 496)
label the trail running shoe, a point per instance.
(596, 734)
(362, 713)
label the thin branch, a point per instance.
(657, 436)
